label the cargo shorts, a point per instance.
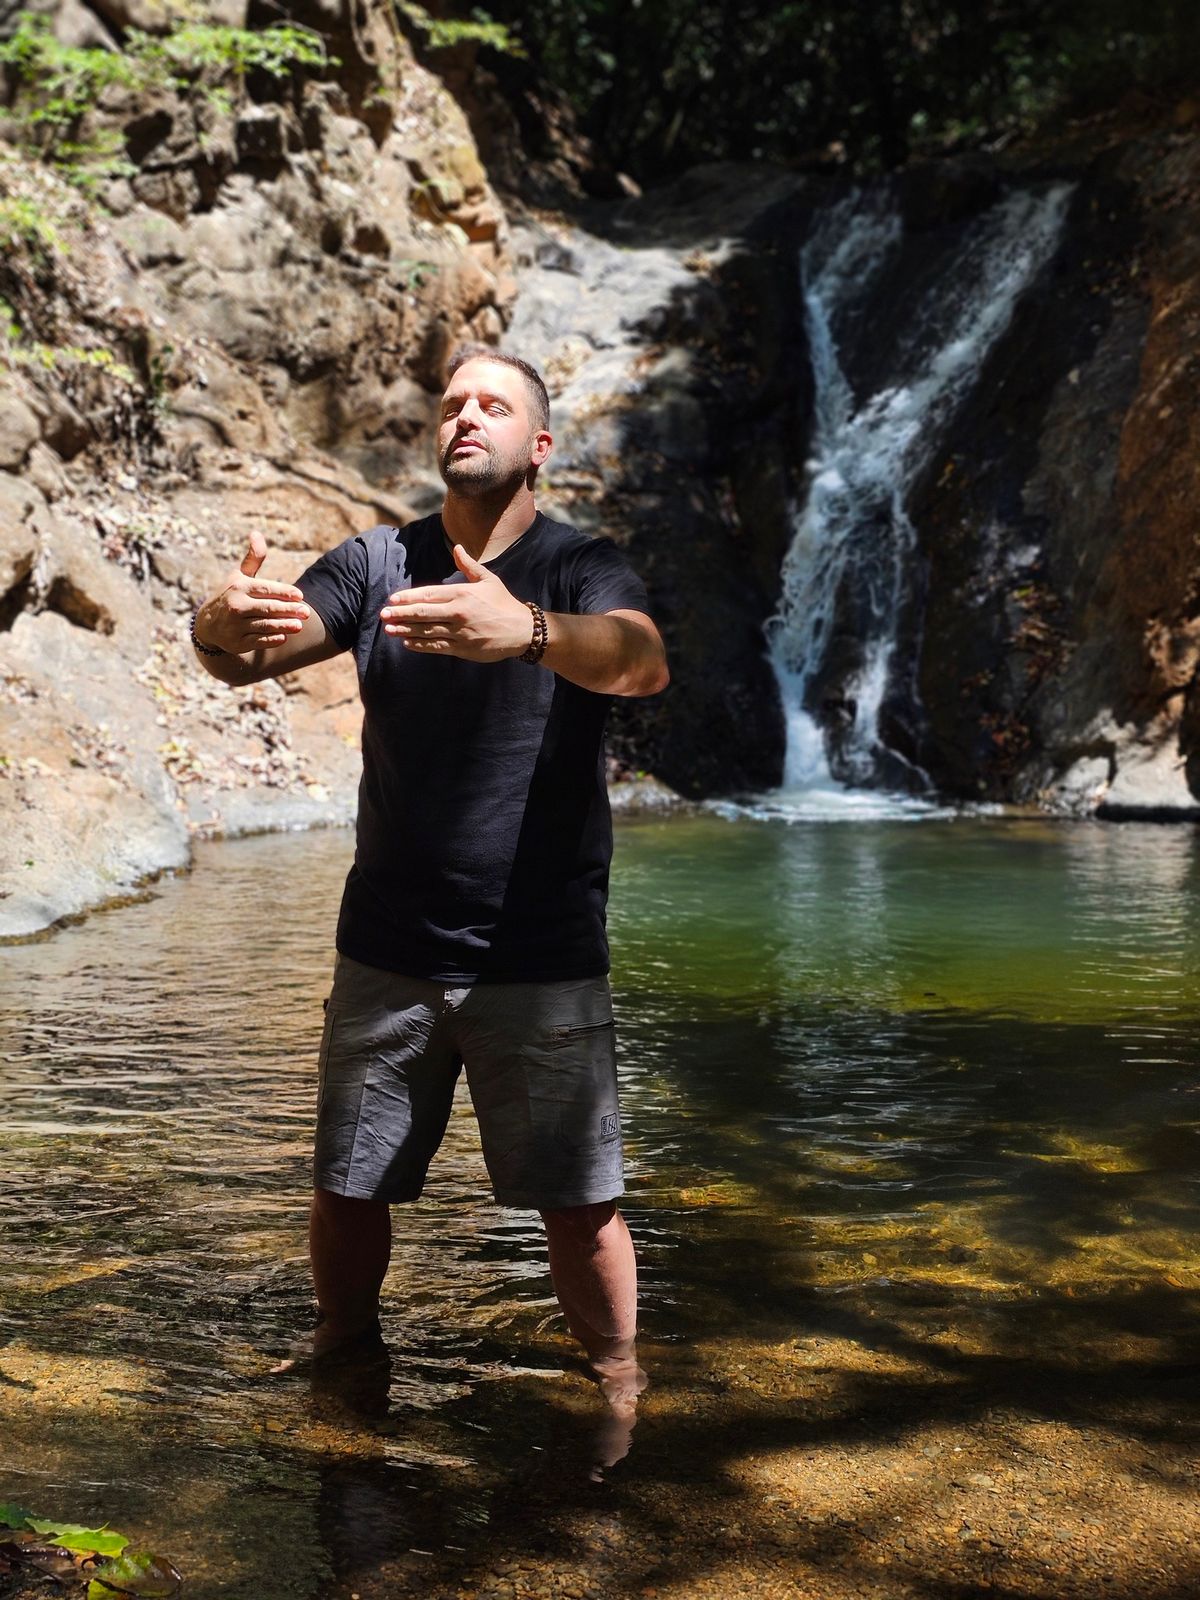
(540, 1061)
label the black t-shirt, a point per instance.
(484, 834)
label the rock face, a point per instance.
(670, 335)
(259, 316)
(1057, 650)
(1046, 645)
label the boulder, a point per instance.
(89, 812)
(19, 546)
(20, 426)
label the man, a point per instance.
(488, 641)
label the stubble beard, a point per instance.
(480, 472)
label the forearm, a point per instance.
(227, 666)
(236, 670)
(610, 653)
(304, 642)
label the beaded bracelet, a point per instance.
(204, 649)
(541, 635)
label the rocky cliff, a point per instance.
(1055, 644)
(243, 326)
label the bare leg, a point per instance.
(350, 1244)
(595, 1277)
(594, 1271)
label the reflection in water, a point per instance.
(914, 1092)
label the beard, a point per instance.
(481, 471)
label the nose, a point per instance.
(469, 417)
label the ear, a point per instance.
(539, 450)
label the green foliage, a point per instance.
(443, 33)
(416, 272)
(78, 1539)
(128, 1572)
(24, 224)
(67, 80)
(134, 1574)
(100, 359)
(203, 48)
(16, 350)
(10, 332)
(664, 84)
(61, 83)
(157, 367)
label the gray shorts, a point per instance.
(541, 1068)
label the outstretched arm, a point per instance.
(613, 652)
(260, 628)
(616, 652)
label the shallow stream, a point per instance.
(913, 1109)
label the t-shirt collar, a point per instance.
(520, 539)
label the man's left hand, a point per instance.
(478, 620)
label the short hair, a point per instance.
(536, 389)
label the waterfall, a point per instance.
(846, 570)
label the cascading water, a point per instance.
(847, 565)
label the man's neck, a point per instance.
(484, 527)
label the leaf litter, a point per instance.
(92, 1563)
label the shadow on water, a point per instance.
(915, 1196)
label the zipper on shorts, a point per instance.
(580, 1032)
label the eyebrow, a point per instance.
(484, 395)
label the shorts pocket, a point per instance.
(567, 1036)
(323, 1052)
(582, 1085)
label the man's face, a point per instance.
(486, 437)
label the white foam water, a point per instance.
(852, 532)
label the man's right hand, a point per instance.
(251, 613)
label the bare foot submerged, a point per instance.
(621, 1382)
(326, 1348)
(620, 1379)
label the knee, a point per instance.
(579, 1223)
(333, 1207)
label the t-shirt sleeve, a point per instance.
(603, 580)
(336, 586)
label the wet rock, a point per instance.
(1057, 647)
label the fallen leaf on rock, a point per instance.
(144, 1576)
